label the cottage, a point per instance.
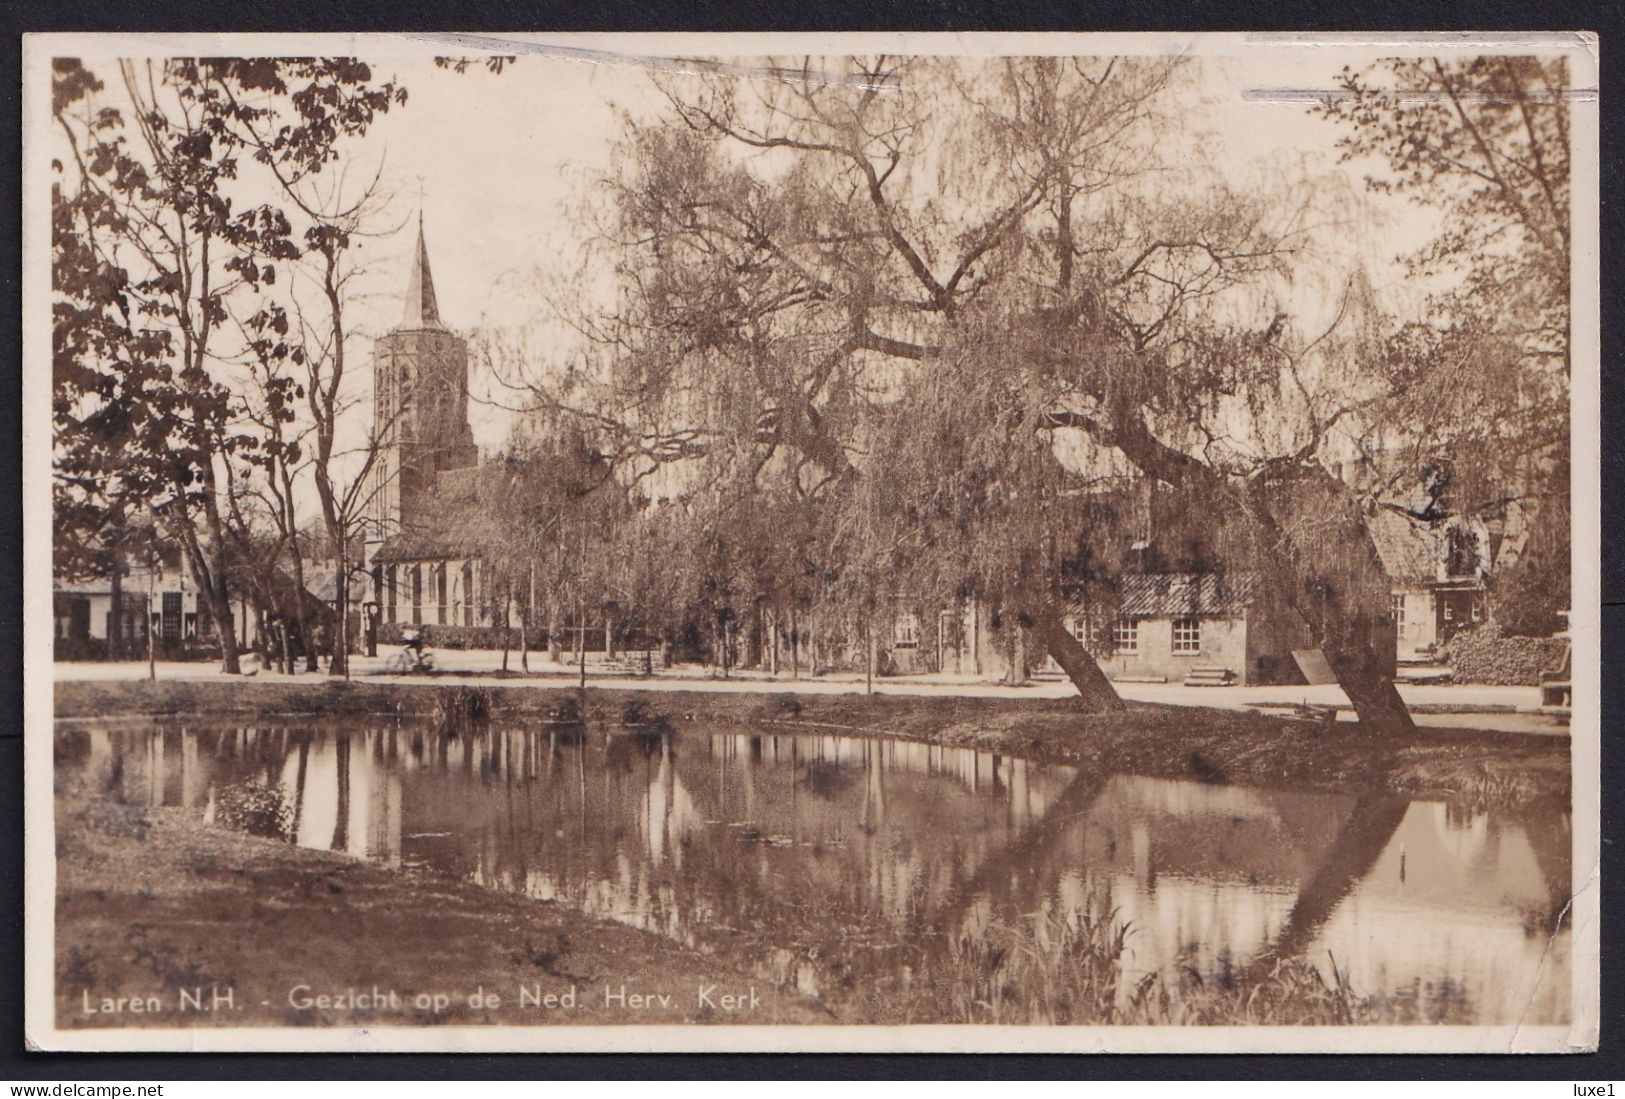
(1148, 628)
(1175, 627)
(161, 599)
(1438, 571)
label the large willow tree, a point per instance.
(961, 306)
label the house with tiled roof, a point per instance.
(1188, 626)
(1154, 627)
(1438, 570)
(96, 618)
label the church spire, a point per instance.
(421, 309)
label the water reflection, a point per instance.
(837, 862)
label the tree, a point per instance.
(1481, 385)
(1007, 259)
(332, 101)
(164, 183)
(558, 511)
(101, 369)
(263, 516)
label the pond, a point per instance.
(844, 866)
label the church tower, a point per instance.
(419, 408)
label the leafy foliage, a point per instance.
(164, 281)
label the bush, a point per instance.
(257, 808)
(1529, 596)
(457, 708)
(781, 705)
(135, 649)
(1487, 654)
(459, 637)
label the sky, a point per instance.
(496, 163)
(498, 160)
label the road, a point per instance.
(1492, 708)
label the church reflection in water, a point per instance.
(837, 861)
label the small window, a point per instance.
(1126, 635)
(1079, 629)
(906, 631)
(172, 616)
(1396, 610)
(1187, 635)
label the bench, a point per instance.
(1556, 690)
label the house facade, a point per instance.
(161, 599)
(1146, 627)
(1438, 573)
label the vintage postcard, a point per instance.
(812, 542)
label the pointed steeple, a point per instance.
(421, 309)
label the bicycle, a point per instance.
(408, 662)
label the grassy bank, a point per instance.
(1216, 746)
(201, 926)
(155, 906)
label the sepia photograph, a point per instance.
(811, 542)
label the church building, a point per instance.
(424, 525)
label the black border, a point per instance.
(771, 15)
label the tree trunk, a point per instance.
(210, 576)
(1015, 657)
(581, 644)
(1370, 688)
(303, 620)
(339, 662)
(225, 630)
(1335, 583)
(555, 642)
(507, 602)
(524, 618)
(609, 637)
(1094, 688)
(976, 637)
(152, 634)
(869, 658)
(773, 644)
(1337, 564)
(115, 616)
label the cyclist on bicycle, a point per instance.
(414, 638)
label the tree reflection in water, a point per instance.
(845, 865)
